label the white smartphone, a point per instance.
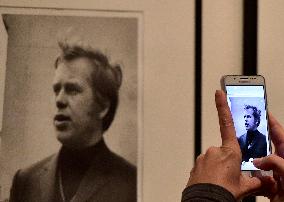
(246, 96)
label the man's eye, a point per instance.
(72, 90)
(56, 90)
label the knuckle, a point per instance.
(231, 153)
(212, 150)
(200, 157)
(271, 158)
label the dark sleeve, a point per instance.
(262, 148)
(206, 192)
(14, 192)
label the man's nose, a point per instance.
(61, 100)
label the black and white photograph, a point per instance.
(238, 109)
(71, 106)
(249, 117)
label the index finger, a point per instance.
(227, 129)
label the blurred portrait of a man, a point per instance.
(252, 143)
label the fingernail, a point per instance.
(257, 162)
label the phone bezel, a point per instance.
(241, 80)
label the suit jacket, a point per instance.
(110, 178)
(257, 148)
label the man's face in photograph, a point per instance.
(77, 116)
(250, 122)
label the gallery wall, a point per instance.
(167, 140)
(270, 53)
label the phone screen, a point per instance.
(248, 108)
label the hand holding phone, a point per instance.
(246, 97)
(220, 165)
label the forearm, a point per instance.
(206, 192)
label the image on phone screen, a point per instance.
(248, 108)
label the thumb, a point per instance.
(271, 162)
(251, 185)
(260, 186)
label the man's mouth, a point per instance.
(247, 125)
(62, 117)
(61, 121)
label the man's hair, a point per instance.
(106, 78)
(256, 113)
